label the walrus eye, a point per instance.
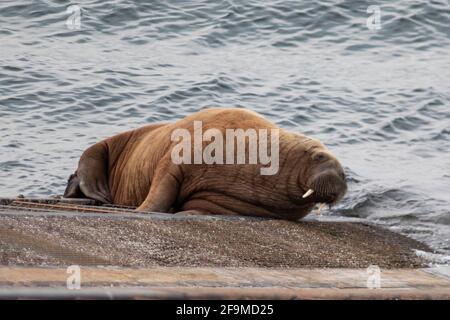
(319, 157)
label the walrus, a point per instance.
(137, 168)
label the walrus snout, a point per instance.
(327, 183)
(328, 186)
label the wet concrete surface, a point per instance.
(137, 241)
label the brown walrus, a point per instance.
(137, 168)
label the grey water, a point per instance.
(378, 97)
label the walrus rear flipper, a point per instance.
(73, 187)
(92, 173)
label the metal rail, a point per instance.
(78, 205)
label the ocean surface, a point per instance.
(378, 98)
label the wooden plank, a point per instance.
(222, 283)
(229, 277)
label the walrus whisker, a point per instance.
(308, 193)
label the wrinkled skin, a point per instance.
(135, 168)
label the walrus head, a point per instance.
(323, 180)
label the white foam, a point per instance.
(434, 259)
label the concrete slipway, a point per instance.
(124, 254)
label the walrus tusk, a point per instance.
(322, 205)
(308, 193)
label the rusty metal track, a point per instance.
(73, 205)
(89, 208)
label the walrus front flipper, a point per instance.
(92, 173)
(164, 189)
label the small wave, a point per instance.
(434, 259)
(407, 123)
